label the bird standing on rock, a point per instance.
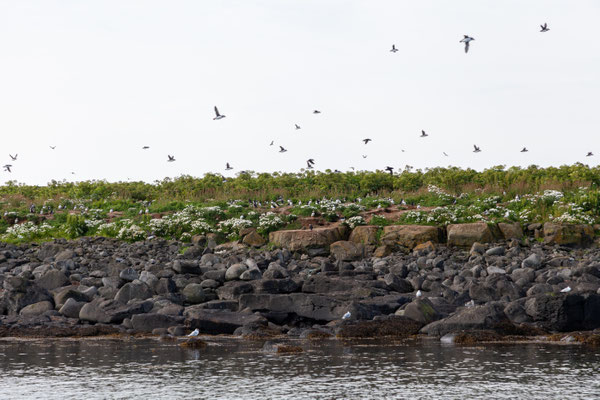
(196, 332)
(347, 315)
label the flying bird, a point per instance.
(476, 149)
(524, 150)
(218, 115)
(390, 170)
(445, 153)
(311, 161)
(14, 158)
(297, 126)
(52, 147)
(145, 147)
(281, 149)
(272, 141)
(423, 134)
(364, 156)
(316, 112)
(589, 154)
(7, 167)
(171, 158)
(394, 49)
(367, 140)
(309, 165)
(544, 27)
(228, 167)
(466, 41)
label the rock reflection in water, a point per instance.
(98, 369)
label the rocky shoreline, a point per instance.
(468, 282)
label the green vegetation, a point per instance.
(182, 207)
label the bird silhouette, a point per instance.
(466, 40)
(52, 147)
(390, 170)
(367, 140)
(228, 167)
(423, 134)
(476, 149)
(309, 165)
(281, 149)
(544, 27)
(272, 142)
(171, 158)
(524, 150)
(364, 156)
(145, 147)
(445, 154)
(297, 126)
(316, 112)
(218, 115)
(7, 167)
(589, 154)
(14, 158)
(394, 49)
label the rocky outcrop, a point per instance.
(568, 234)
(464, 235)
(410, 235)
(365, 234)
(347, 251)
(297, 240)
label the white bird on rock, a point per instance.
(566, 290)
(419, 293)
(196, 332)
(347, 315)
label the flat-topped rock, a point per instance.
(464, 235)
(576, 235)
(410, 235)
(300, 239)
(364, 234)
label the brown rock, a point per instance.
(254, 239)
(464, 235)
(295, 240)
(382, 251)
(366, 234)
(347, 251)
(511, 231)
(410, 235)
(577, 235)
(426, 247)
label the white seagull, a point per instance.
(419, 293)
(218, 115)
(566, 290)
(466, 41)
(196, 332)
(347, 315)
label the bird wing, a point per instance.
(466, 47)
(217, 111)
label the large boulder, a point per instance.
(217, 322)
(365, 234)
(12, 301)
(410, 235)
(36, 309)
(464, 235)
(488, 316)
(149, 322)
(133, 290)
(576, 235)
(421, 310)
(254, 239)
(300, 239)
(511, 230)
(564, 312)
(312, 306)
(193, 293)
(52, 279)
(347, 251)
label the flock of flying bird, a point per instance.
(311, 162)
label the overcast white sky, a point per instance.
(100, 79)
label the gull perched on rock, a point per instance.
(544, 27)
(419, 293)
(394, 49)
(466, 40)
(281, 149)
(566, 290)
(196, 332)
(171, 158)
(470, 304)
(476, 149)
(347, 315)
(218, 115)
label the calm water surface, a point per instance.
(150, 369)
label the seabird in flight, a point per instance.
(589, 154)
(281, 149)
(524, 150)
(423, 134)
(218, 115)
(171, 158)
(7, 167)
(297, 126)
(390, 170)
(476, 149)
(367, 140)
(228, 167)
(316, 112)
(466, 41)
(14, 158)
(394, 49)
(544, 27)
